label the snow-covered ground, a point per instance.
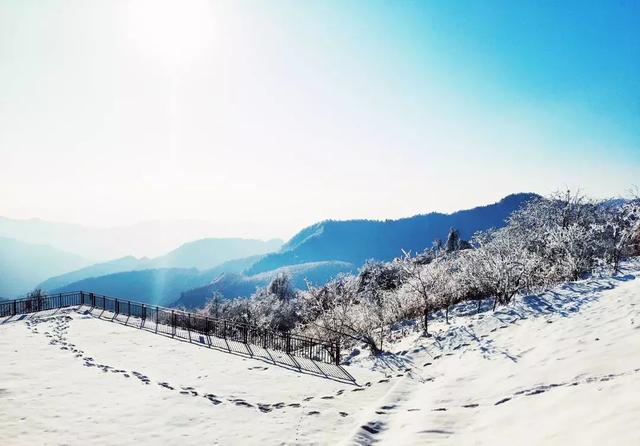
(559, 368)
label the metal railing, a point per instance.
(169, 321)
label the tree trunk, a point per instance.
(479, 303)
(371, 343)
(426, 322)
(495, 303)
(446, 314)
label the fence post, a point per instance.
(14, 308)
(129, 308)
(144, 313)
(157, 317)
(116, 307)
(288, 343)
(173, 323)
(337, 352)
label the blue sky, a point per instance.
(262, 117)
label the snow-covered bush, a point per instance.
(273, 307)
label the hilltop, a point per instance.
(481, 379)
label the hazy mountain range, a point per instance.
(189, 274)
(145, 239)
(201, 254)
(24, 265)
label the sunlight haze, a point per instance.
(264, 118)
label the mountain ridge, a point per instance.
(354, 241)
(203, 254)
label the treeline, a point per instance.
(548, 241)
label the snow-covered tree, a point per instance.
(501, 265)
(425, 281)
(338, 312)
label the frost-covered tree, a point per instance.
(281, 286)
(426, 282)
(621, 232)
(214, 306)
(36, 300)
(275, 306)
(501, 265)
(338, 312)
(566, 231)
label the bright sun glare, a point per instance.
(170, 31)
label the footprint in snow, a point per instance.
(243, 403)
(536, 392)
(371, 427)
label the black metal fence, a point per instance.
(168, 321)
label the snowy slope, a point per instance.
(559, 368)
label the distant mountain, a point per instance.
(202, 254)
(146, 239)
(152, 286)
(24, 265)
(158, 286)
(210, 252)
(128, 263)
(355, 241)
(232, 285)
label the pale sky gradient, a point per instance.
(263, 117)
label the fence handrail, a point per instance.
(77, 298)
